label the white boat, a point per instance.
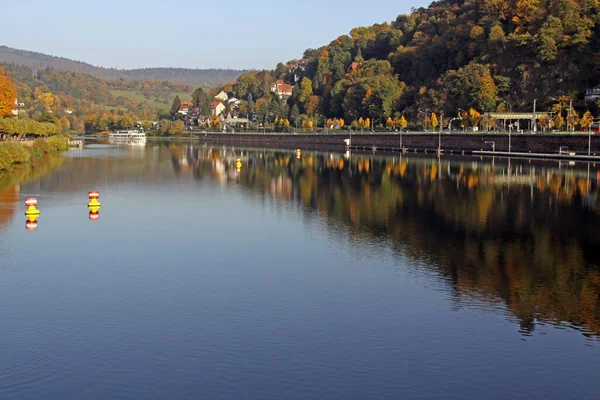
(132, 134)
(133, 137)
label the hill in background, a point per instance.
(195, 77)
(450, 57)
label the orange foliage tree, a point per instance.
(8, 95)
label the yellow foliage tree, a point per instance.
(586, 120)
(367, 123)
(310, 124)
(342, 122)
(8, 95)
(573, 119)
(474, 117)
(389, 123)
(361, 122)
(559, 121)
(434, 121)
(403, 122)
(47, 98)
(177, 128)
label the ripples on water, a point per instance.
(319, 276)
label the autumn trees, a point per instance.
(71, 97)
(8, 95)
(446, 57)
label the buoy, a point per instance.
(238, 164)
(94, 214)
(94, 199)
(31, 202)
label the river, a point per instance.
(300, 275)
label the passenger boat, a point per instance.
(133, 137)
(132, 134)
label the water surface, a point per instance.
(311, 275)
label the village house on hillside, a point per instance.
(185, 107)
(217, 108)
(222, 96)
(592, 94)
(15, 111)
(297, 69)
(283, 90)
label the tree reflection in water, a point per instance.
(19, 174)
(524, 234)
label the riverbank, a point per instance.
(14, 153)
(560, 145)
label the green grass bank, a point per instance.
(13, 152)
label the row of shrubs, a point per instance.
(21, 127)
(12, 152)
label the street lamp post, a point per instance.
(534, 119)
(355, 124)
(509, 124)
(440, 132)
(459, 111)
(450, 123)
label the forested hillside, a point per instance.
(486, 55)
(196, 77)
(72, 97)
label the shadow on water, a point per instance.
(522, 234)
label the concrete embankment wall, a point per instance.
(455, 141)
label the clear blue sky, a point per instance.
(186, 33)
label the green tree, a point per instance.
(163, 126)
(176, 128)
(202, 101)
(251, 105)
(306, 90)
(472, 86)
(246, 85)
(295, 113)
(280, 70)
(175, 106)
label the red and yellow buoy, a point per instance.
(94, 205)
(31, 202)
(238, 164)
(94, 195)
(32, 214)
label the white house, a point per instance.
(217, 108)
(185, 107)
(222, 96)
(15, 111)
(281, 89)
(233, 101)
(592, 94)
